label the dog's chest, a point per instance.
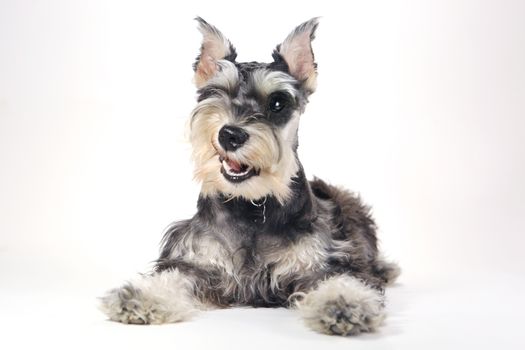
(290, 260)
(251, 255)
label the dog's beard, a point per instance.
(268, 156)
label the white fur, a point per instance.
(305, 256)
(342, 305)
(208, 252)
(164, 297)
(269, 81)
(227, 76)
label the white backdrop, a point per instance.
(420, 108)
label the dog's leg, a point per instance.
(342, 305)
(162, 297)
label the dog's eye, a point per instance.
(278, 101)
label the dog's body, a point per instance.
(263, 235)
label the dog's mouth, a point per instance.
(236, 172)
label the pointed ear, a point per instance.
(296, 51)
(214, 47)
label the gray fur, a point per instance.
(274, 239)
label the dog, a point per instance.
(263, 235)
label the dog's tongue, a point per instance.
(234, 166)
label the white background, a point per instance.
(420, 108)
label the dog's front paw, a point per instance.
(128, 305)
(163, 297)
(342, 317)
(342, 306)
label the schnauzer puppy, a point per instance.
(263, 235)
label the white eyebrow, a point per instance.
(227, 76)
(266, 82)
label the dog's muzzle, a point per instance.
(231, 138)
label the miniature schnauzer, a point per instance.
(263, 235)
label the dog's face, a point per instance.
(244, 127)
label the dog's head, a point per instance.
(244, 127)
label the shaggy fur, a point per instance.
(263, 235)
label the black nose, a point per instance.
(232, 137)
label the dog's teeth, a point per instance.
(232, 173)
